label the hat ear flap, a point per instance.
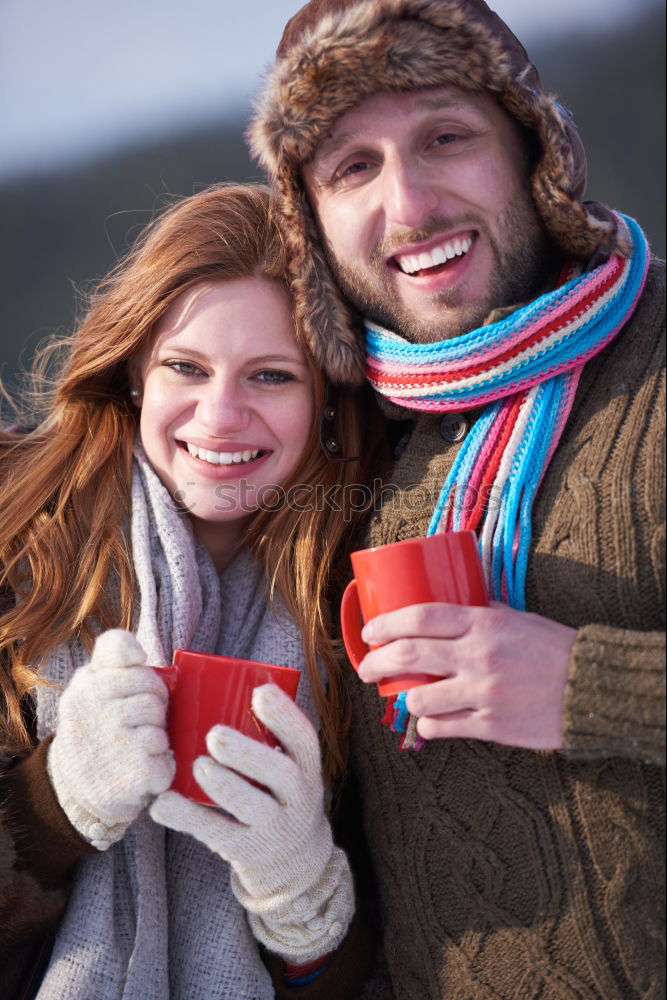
(559, 177)
(332, 330)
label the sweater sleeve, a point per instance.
(38, 848)
(615, 695)
(612, 499)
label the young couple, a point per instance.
(512, 334)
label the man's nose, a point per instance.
(222, 409)
(409, 195)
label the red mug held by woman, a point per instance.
(438, 568)
(206, 690)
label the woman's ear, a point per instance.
(136, 387)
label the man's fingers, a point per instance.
(464, 725)
(409, 656)
(436, 621)
(447, 697)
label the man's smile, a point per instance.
(420, 260)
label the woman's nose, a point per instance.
(223, 409)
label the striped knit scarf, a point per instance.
(525, 370)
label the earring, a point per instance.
(135, 396)
(328, 432)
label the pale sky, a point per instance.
(79, 76)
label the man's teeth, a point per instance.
(412, 263)
(223, 457)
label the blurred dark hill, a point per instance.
(62, 230)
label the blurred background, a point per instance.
(105, 109)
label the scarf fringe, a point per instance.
(397, 718)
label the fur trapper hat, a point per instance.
(334, 54)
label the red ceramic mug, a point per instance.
(439, 568)
(206, 690)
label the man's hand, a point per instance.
(504, 671)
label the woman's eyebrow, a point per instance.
(175, 347)
(265, 358)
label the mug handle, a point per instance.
(169, 675)
(350, 620)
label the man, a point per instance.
(513, 329)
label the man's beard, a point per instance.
(524, 262)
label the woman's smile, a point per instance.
(226, 399)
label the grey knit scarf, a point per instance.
(154, 918)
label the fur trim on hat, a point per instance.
(328, 64)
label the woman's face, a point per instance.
(226, 403)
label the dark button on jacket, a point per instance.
(453, 427)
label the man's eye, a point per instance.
(445, 138)
(350, 170)
(356, 168)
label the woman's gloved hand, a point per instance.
(111, 752)
(286, 872)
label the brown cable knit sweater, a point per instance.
(518, 875)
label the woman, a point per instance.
(149, 509)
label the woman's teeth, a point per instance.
(223, 457)
(412, 263)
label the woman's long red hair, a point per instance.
(65, 484)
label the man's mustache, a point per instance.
(385, 247)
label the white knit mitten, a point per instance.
(286, 872)
(111, 752)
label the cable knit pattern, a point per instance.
(507, 874)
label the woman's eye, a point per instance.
(273, 377)
(183, 367)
